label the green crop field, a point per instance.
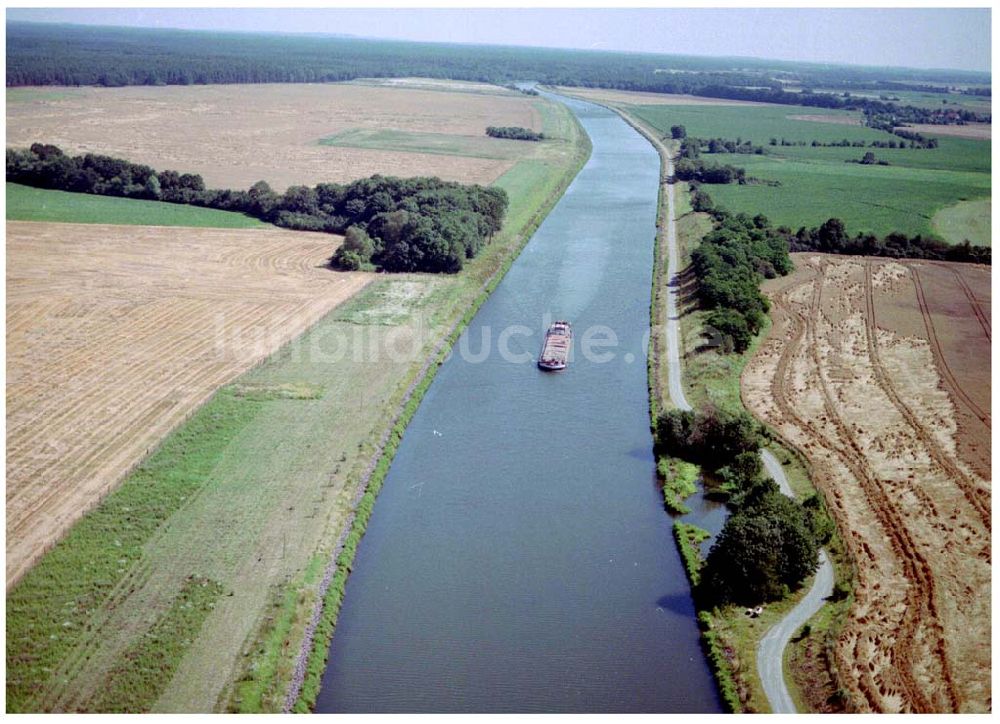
(443, 144)
(26, 203)
(817, 183)
(922, 99)
(965, 220)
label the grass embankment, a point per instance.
(712, 378)
(817, 184)
(252, 493)
(134, 684)
(26, 203)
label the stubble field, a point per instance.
(236, 135)
(879, 372)
(117, 333)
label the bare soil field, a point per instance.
(115, 334)
(976, 131)
(236, 135)
(605, 95)
(841, 120)
(879, 372)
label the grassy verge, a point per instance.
(146, 667)
(535, 186)
(689, 538)
(26, 203)
(50, 609)
(710, 378)
(680, 481)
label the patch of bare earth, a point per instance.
(879, 372)
(236, 135)
(839, 120)
(977, 131)
(115, 334)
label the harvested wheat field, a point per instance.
(879, 372)
(644, 98)
(236, 135)
(116, 334)
(977, 131)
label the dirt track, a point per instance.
(115, 334)
(879, 372)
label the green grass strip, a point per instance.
(145, 668)
(680, 481)
(48, 609)
(715, 650)
(26, 203)
(689, 537)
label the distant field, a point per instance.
(965, 220)
(979, 104)
(817, 183)
(236, 135)
(606, 95)
(26, 203)
(481, 146)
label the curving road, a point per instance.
(771, 650)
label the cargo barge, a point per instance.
(555, 348)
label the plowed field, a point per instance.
(115, 334)
(879, 371)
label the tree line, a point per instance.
(48, 54)
(414, 224)
(518, 133)
(831, 237)
(730, 263)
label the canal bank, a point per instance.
(518, 559)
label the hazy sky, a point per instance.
(919, 38)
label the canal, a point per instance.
(519, 558)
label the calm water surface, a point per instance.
(519, 557)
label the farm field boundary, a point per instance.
(26, 203)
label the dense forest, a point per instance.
(49, 54)
(729, 264)
(414, 224)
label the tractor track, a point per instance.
(974, 303)
(920, 603)
(978, 498)
(946, 372)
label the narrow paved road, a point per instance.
(673, 293)
(771, 650)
